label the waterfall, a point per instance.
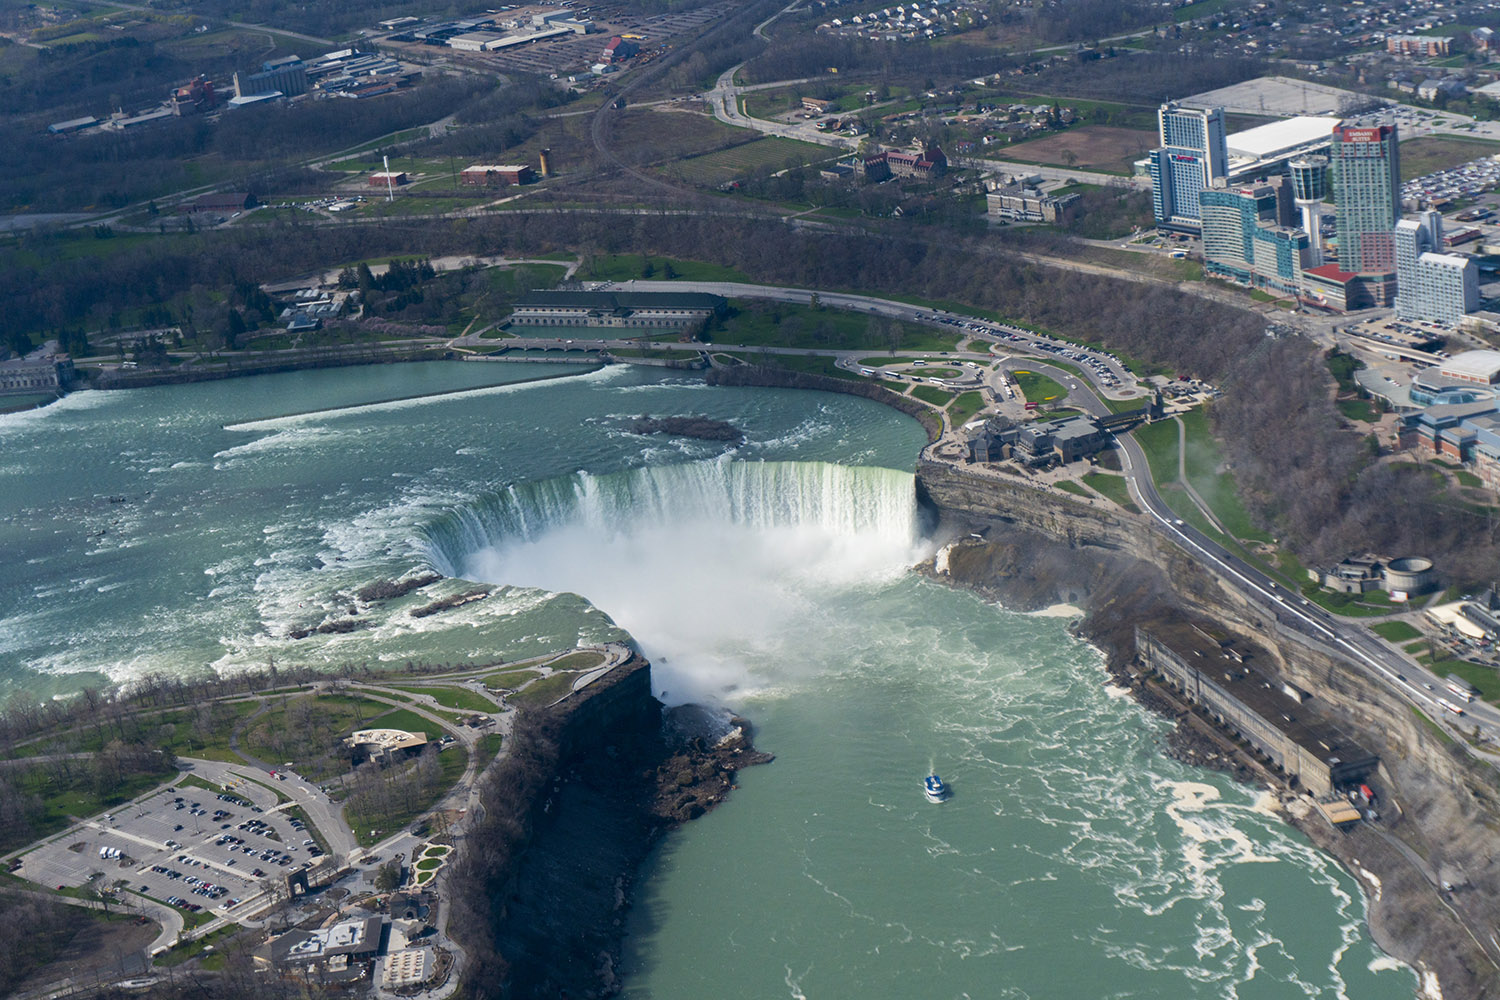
(839, 500)
(709, 565)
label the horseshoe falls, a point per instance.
(200, 527)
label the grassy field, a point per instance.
(1483, 678)
(1102, 148)
(510, 678)
(927, 393)
(583, 659)
(545, 691)
(1436, 152)
(1395, 631)
(454, 760)
(1039, 388)
(1217, 489)
(66, 799)
(964, 406)
(458, 698)
(408, 720)
(1111, 487)
(486, 748)
(766, 155)
(1068, 486)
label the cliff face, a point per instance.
(569, 814)
(1031, 547)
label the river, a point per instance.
(193, 528)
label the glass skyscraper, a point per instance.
(1366, 197)
(1193, 154)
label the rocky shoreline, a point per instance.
(1442, 806)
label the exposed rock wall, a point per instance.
(1031, 547)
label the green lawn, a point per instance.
(1217, 489)
(370, 830)
(544, 691)
(1112, 487)
(1039, 388)
(66, 798)
(510, 679)
(1395, 631)
(1362, 410)
(486, 748)
(964, 406)
(1483, 678)
(766, 155)
(815, 365)
(407, 720)
(581, 659)
(458, 698)
(1068, 486)
(937, 397)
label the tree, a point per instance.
(388, 878)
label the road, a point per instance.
(1389, 667)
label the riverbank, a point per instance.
(568, 817)
(1031, 551)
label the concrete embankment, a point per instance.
(1031, 548)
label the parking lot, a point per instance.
(187, 846)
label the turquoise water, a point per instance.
(195, 527)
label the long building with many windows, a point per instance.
(1248, 238)
(1366, 197)
(1192, 156)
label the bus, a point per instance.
(1460, 687)
(1455, 709)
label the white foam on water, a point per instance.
(1058, 611)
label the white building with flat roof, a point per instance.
(1482, 367)
(1266, 147)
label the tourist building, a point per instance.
(1193, 155)
(1249, 238)
(1366, 197)
(1432, 286)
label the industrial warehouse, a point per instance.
(1227, 679)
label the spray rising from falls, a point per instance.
(708, 564)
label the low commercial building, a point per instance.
(334, 953)
(385, 745)
(72, 125)
(1479, 367)
(1233, 681)
(382, 178)
(1019, 203)
(647, 310)
(492, 175)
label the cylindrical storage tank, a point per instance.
(545, 163)
(1408, 575)
(1309, 178)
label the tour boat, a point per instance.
(933, 786)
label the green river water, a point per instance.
(192, 528)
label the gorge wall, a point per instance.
(1031, 547)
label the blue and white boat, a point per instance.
(934, 788)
